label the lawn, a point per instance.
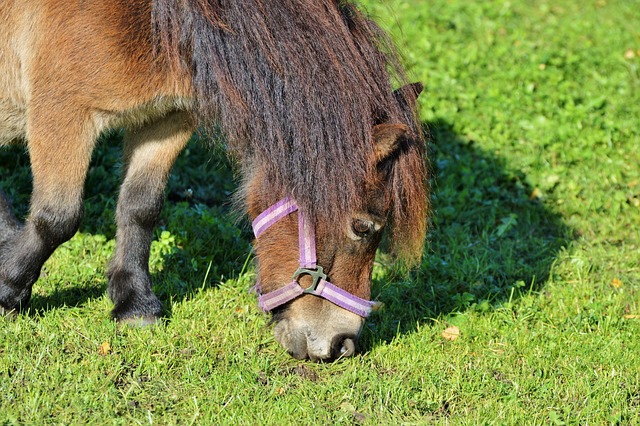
(532, 262)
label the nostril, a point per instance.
(343, 346)
(348, 347)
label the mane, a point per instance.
(295, 87)
(408, 186)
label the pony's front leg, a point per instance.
(60, 151)
(9, 226)
(149, 154)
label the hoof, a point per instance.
(140, 321)
(138, 311)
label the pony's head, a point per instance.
(393, 197)
(302, 92)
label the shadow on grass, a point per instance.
(491, 240)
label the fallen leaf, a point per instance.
(616, 283)
(377, 306)
(105, 348)
(451, 333)
(631, 316)
(535, 194)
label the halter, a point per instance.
(307, 248)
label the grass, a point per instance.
(534, 255)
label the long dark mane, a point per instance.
(296, 87)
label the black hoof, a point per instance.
(138, 311)
(133, 298)
(13, 301)
(139, 322)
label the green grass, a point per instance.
(534, 254)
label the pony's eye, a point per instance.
(362, 227)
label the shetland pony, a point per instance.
(301, 90)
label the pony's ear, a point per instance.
(386, 138)
(408, 95)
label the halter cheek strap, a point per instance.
(307, 249)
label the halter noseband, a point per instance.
(307, 246)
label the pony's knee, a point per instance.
(56, 226)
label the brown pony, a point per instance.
(302, 91)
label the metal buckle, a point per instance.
(317, 275)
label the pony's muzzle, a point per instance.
(325, 333)
(341, 347)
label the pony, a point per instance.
(302, 91)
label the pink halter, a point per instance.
(307, 247)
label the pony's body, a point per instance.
(300, 89)
(93, 57)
